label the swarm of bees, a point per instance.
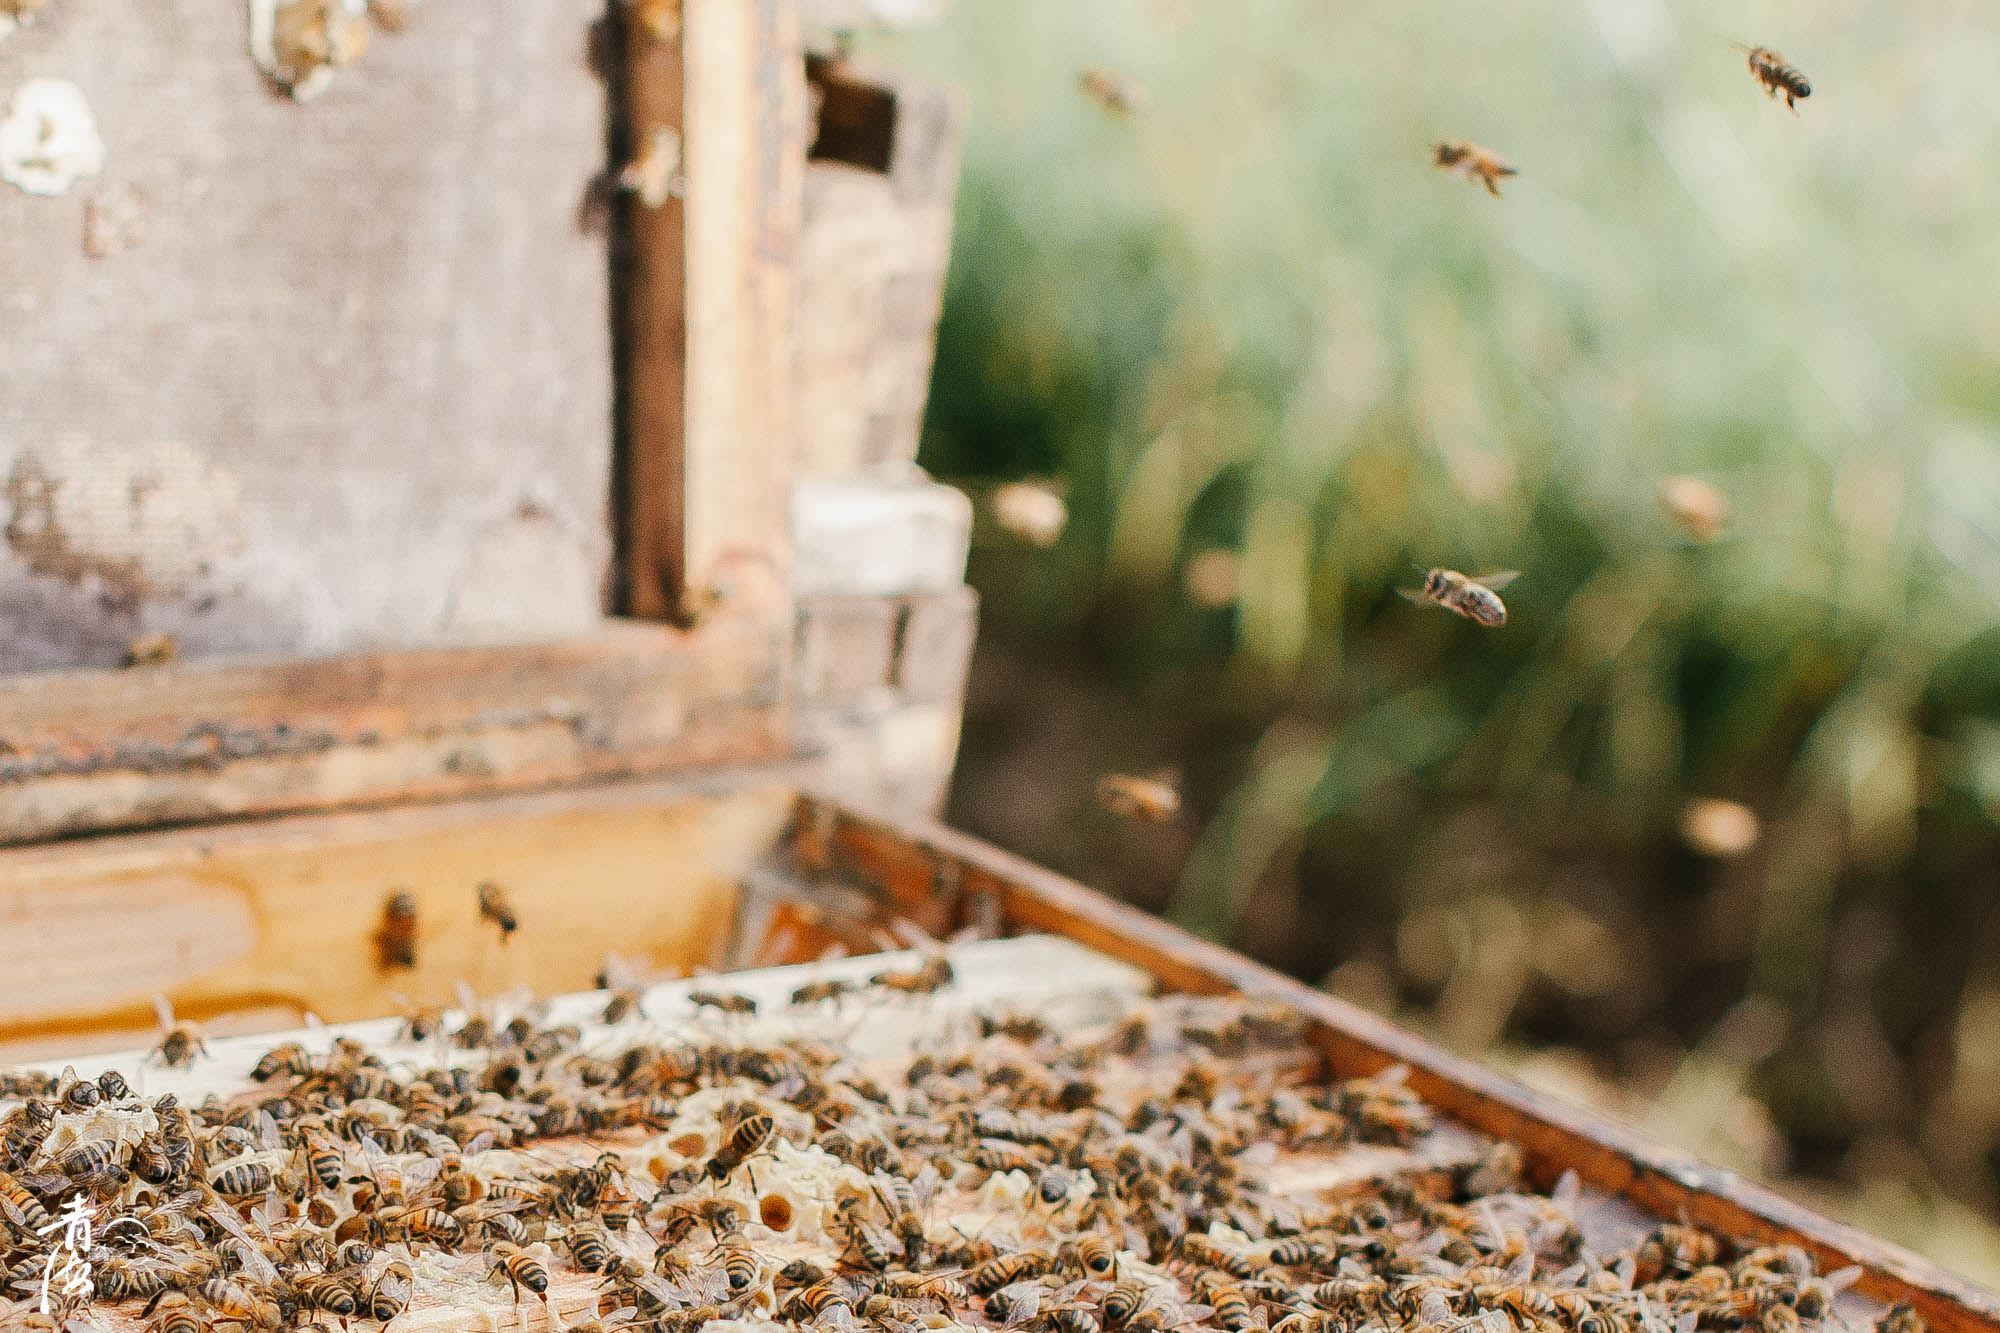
(997, 1173)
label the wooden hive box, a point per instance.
(228, 830)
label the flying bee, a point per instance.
(1154, 800)
(1120, 96)
(1901, 1318)
(1769, 68)
(521, 1269)
(1474, 598)
(1466, 159)
(495, 906)
(1700, 509)
(180, 1042)
(143, 649)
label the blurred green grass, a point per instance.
(1255, 318)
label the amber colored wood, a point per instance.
(283, 913)
(90, 751)
(708, 297)
(903, 856)
(653, 293)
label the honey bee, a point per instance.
(1122, 1302)
(1464, 158)
(1094, 1254)
(1673, 1251)
(823, 992)
(1007, 1269)
(1231, 1306)
(932, 976)
(140, 649)
(590, 1248)
(180, 1042)
(310, 39)
(289, 1058)
(520, 1268)
(1816, 1295)
(740, 1266)
(749, 1136)
(1474, 598)
(911, 1202)
(723, 1002)
(654, 172)
(1769, 68)
(389, 15)
(1120, 96)
(1030, 510)
(495, 906)
(390, 1294)
(1200, 1249)
(325, 1291)
(1901, 1318)
(19, 1206)
(808, 1304)
(176, 1311)
(396, 938)
(1701, 510)
(1154, 800)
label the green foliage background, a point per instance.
(1255, 318)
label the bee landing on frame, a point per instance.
(1474, 598)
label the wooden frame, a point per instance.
(796, 872)
(86, 752)
(908, 860)
(706, 369)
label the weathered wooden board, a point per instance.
(352, 388)
(283, 916)
(708, 294)
(81, 752)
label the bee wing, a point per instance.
(1570, 1276)
(924, 1188)
(481, 1141)
(1522, 1270)
(1566, 1192)
(421, 1172)
(1842, 1278)
(620, 974)
(1435, 1309)
(163, 1007)
(1393, 1074)
(267, 1131)
(912, 935)
(1686, 1323)
(1625, 1269)
(1497, 580)
(467, 1001)
(1413, 595)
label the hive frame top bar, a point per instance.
(1062, 979)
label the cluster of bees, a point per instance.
(1129, 1178)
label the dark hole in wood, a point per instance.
(856, 121)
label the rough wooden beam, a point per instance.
(88, 751)
(709, 430)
